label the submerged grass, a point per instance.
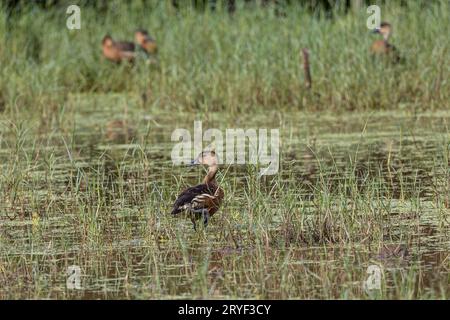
(350, 185)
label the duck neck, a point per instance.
(210, 177)
(386, 36)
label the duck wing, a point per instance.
(125, 46)
(192, 195)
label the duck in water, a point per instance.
(201, 201)
(383, 47)
(120, 131)
(118, 51)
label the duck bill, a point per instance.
(194, 163)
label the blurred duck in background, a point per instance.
(120, 131)
(146, 42)
(383, 47)
(118, 51)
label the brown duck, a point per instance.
(203, 200)
(383, 47)
(118, 51)
(147, 43)
(120, 131)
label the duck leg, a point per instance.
(205, 215)
(195, 214)
(193, 220)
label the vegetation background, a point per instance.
(365, 151)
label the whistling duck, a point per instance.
(118, 51)
(383, 47)
(119, 131)
(146, 42)
(389, 251)
(203, 200)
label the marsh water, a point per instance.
(75, 192)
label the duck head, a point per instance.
(141, 36)
(208, 158)
(107, 41)
(385, 30)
